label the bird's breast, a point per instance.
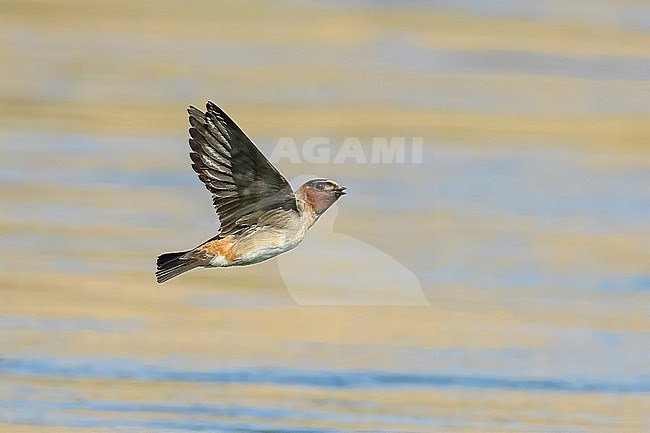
(265, 243)
(253, 246)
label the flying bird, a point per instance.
(260, 215)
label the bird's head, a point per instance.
(320, 194)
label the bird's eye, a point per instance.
(320, 186)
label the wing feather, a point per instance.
(246, 188)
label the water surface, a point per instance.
(525, 226)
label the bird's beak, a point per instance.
(340, 191)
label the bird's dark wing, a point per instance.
(244, 184)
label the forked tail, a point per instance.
(170, 265)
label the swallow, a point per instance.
(260, 215)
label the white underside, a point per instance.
(261, 254)
(264, 243)
(259, 247)
(218, 262)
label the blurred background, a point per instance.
(526, 224)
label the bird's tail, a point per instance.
(170, 265)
